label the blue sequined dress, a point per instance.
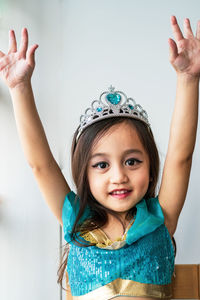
(142, 265)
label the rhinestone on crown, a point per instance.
(112, 103)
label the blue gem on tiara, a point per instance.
(114, 98)
(110, 104)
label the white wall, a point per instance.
(84, 46)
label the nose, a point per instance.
(118, 175)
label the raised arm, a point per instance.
(185, 58)
(16, 69)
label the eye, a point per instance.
(101, 165)
(132, 162)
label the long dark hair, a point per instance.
(80, 155)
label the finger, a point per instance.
(176, 29)
(173, 50)
(187, 29)
(2, 54)
(198, 30)
(24, 43)
(12, 42)
(31, 55)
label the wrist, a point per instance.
(187, 78)
(21, 86)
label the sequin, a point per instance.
(88, 268)
(147, 258)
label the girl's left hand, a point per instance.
(185, 52)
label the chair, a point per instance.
(185, 284)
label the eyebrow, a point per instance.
(126, 152)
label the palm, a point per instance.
(16, 70)
(17, 66)
(189, 56)
(185, 53)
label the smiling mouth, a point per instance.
(120, 193)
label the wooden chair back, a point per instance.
(186, 283)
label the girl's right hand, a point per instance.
(17, 66)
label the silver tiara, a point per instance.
(111, 104)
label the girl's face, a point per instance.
(118, 169)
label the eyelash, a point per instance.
(134, 160)
(99, 163)
(105, 163)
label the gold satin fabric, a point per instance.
(99, 237)
(122, 287)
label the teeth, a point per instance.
(120, 192)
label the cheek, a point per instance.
(143, 178)
(93, 181)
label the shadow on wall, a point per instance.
(1, 210)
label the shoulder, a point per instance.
(70, 211)
(170, 223)
(155, 207)
(71, 201)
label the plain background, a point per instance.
(84, 47)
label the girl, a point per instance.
(119, 233)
